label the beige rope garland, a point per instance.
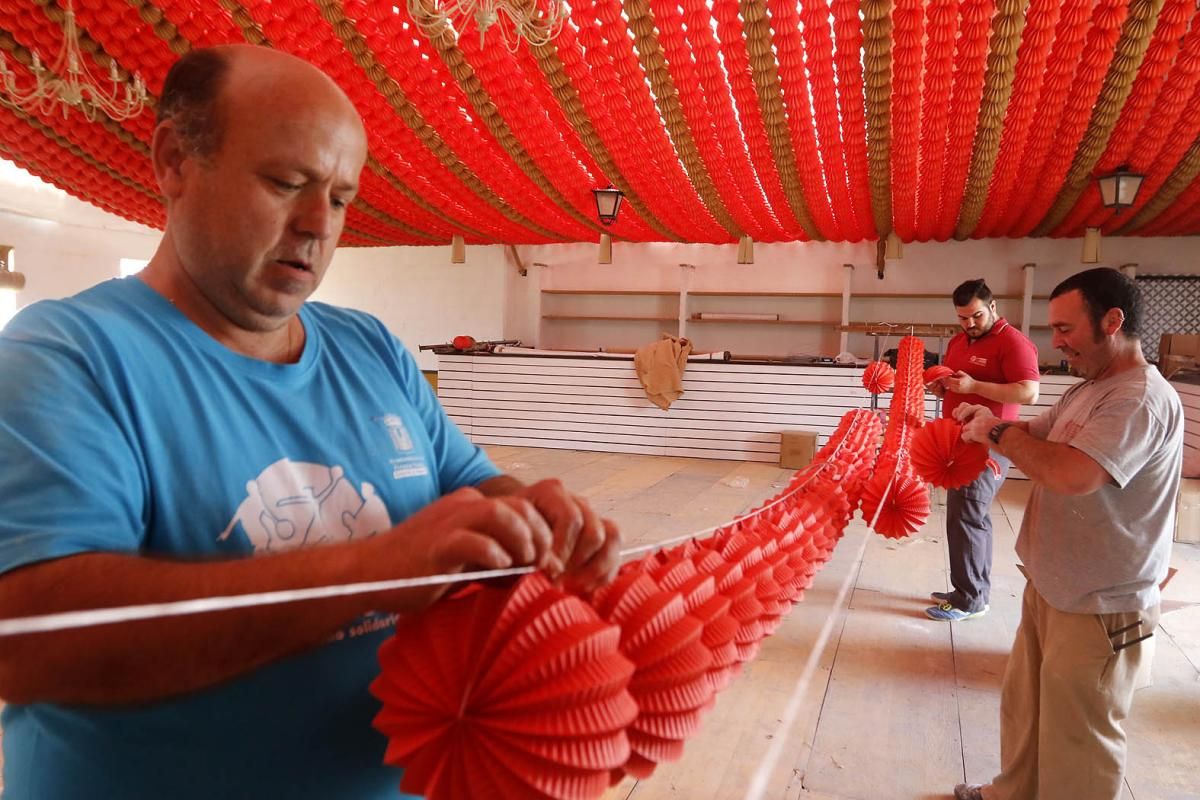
(877, 75)
(765, 74)
(1118, 82)
(455, 60)
(567, 96)
(1007, 27)
(356, 45)
(666, 98)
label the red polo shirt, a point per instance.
(1002, 355)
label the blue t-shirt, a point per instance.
(125, 428)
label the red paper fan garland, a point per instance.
(941, 457)
(935, 373)
(878, 377)
(479, 691)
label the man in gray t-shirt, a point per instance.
(1095, 541)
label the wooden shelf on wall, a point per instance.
(901, 329)
(764, 294)
(619, 292)
(822, 322)
(596, 318)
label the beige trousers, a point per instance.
(1068, 687)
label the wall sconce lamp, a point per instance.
(608, 205)
(458, 250)
(9, 277)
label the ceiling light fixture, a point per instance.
(68, 83)
(535, 22)
(1119, 188)
(608, 205)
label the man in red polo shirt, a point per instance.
(995, 366)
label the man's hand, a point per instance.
(586, 549)
(462, 531)
(937, 387)
(959, 383)
(977, 422)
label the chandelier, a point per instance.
(535, 21)
(68, 83)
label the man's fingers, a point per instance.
(589, 539)
(509, 521)
(565, 514)
(464, 549)
(541, 538)
(602, 567)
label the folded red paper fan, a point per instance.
(904, 501)
(878, 377)
(671, 682)
(940, 456)
(937, 372)
(505, 692)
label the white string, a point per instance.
(44, 623)
(758, 785)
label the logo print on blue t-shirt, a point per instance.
(297, 504)
(408, 464)
(395, 428)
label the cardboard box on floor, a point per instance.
(1187, 512)
(1185, 345)
(797, 449)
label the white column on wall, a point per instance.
(847, 282)
(685, 283)
(1027, 271)
(543, 281)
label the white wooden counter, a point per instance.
(728, 410)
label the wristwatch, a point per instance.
(997, 431)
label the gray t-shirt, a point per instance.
(1107, 551)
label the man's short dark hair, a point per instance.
(189, 99)
(1103, 288)
(970, 290)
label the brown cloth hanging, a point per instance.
(660, 368)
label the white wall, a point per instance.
(420, 295)
(64, 245)
(933, 267)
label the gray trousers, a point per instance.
(969, 535)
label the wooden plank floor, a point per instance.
(897, 706)
(858, 696)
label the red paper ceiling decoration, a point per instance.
(724, 118)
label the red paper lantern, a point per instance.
(878, 377)
(518, 692)
(898, 504)
(937, 372)
(941, 457)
